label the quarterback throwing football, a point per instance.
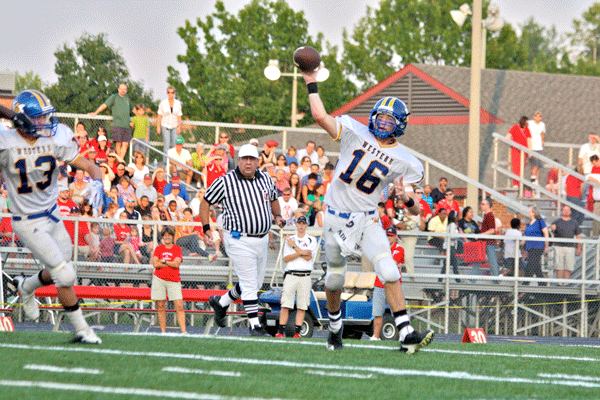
(370, 159)
(29, 158)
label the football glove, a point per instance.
(96, 193)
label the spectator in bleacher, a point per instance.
(379, 299)
(282, 164)
(166, 279)
(85, 246)
(107, 247)
(122, 241)
(139, 168)
(183, 193)
(144, 207)
(113, 197)
(537, 130)
(174, 195)
(101, 146)
(511, 251)
(438, 224)
(439, 192)
(309, 188)
(592, 147)
(288, 205)
(146, 189)
(328, 174)
(141, 128)
(519, 133)
(195, 202)
(199, 160)
(298, 254)
(253, 142)
(214, 232)
(77, 187)
(107, 176)
(319, 212)
(64, 201)
(112, 161)
(488, 227)
(80, 127)
(385, 220)
(158, 180)
(291, 156)
(426, 212)
(168, 122)
(86, 208)
(293, 167)
(147, 238)
(535, 249)
(448, 203)
(310, 152)
(214, 169)
(567, 228)
(269, 168)
(454, 243)
(91, 155)
(467, 224)
(280, 182)
(110, 213)
(268, 153)
(125, 189)
(594, 180)
(427, 195)
(173, 210)
(130, 211)
(187, 238)
(323, 159)
(304, 167)
(95, 242)
(314, 169)
(573, 188)
(229, 149)
(295, 186)
(9, 238)
(122, 171)
(180, 160)
(553, 180)
(162, 210)
(84, 144)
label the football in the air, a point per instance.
(307, 58)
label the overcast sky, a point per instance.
(145, 31)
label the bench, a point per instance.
(137, 294)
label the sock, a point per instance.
(231, 296)
(298, 328)
(335, 321)
(76, 318)
(281, 329)
(32, 283)
(403, 324)
(251, 308)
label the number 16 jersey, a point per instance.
(30, 168)
(365, 167)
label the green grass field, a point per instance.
(45, 366)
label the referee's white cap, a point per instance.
(248, 150)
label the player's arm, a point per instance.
(19, 120)
(86, 165)
(317, 108)
(408, 198)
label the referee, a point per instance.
(249, 199)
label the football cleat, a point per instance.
(220, 311)
(279, 335)
(30, 305)
(87, 336)
(334, 341)
(414, 341)
(297, 336)
(258, 331)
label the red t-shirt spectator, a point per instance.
(398, 256)
(159, 185)
(385, 221)
(552, 176)
(425, 209)
(573, 185)
(65, 206)
(83, 230)
(213, 172)
(121, 232)
(489, 222)
(168, 254)
(6, 228)
(444, 204)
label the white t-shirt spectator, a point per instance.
(138, 175)
(314, 156)
(536, 131)
(585, 152)
(287, 209)
(169, 117)
(509, 245)
(182, 157)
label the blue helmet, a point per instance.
(35, 104)
(390, 106)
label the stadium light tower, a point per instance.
(273, 73)
(478, 38)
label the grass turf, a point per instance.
(225, 367)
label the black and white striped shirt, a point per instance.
(246, 202)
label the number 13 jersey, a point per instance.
(365, 167)
(30, 168)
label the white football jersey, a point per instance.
(365, 167)
(30, 169)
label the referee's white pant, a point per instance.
(249, 258)
(47, 239)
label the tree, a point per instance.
(505, 51)
(30, 80)
(226, 56)
(88, 73)
(401, 32)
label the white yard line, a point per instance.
(458, 375)
(52, 368)
(171, 394)
(338, 374)
(181, 370)
(571, 377)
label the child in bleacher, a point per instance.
(510, 252)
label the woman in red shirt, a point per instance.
(166, 279)
(519, 134)
(122, 244)
(158, 180)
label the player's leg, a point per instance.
(378, 310)
(334, 280)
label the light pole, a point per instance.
(273, 73)
(493, 22)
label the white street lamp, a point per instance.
(273, 73)
(478, 38)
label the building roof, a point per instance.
(438, 99)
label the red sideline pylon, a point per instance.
(474, 335)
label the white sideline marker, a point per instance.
(338, 374)
(181, 370)
(52, 368)
(571, 377)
